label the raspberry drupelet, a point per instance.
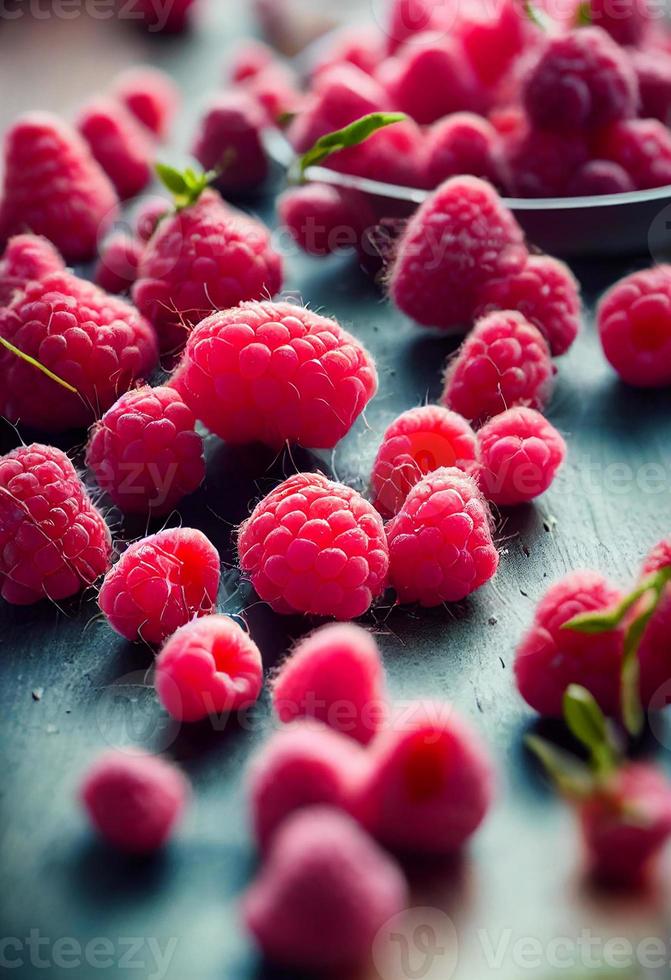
(134, 800)
(504, 362)
(316, 547)
(116, 269)
(229, 141)
(549, 658)
(599, 177)
(627, 24)
(145, 453)
(334, 676)
(275, 373)
(416, 443)
(323, 219)
(151, 211)
(119, 143)
(360, 46)
(520, 453)
(210, 666)
(161, 583)
(541, 162)
(26, 258)
(653, 70)
(642, 147)
(463, 143)
(654, 651)
(53, 540)
(634, 320)
(150, 95)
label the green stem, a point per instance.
(36, 364)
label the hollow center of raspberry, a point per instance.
(650, 332)
(425, 769)
(432, 450)
(227, 657)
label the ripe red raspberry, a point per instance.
(116, 269)
(654, 652)
(546, 293)
(626, 23)
(161, 583)
(95, 342)
(540, 162)
(229, 141)
(581, 80)
(145, 452)
(275, 90)
(416, 443)
(26, 257)
(203, 258)
(323, 894)
(463, 143)
(430, 782)
(249, 58)
(461, 237)
(408, 18)
(53, 540)
(634, 320)
(599, 177)
(275, 372)
(520, 453)
(134, 800)
(549, 658)
(642, 147)
(504, 362)
(494, 38)
(119, 144)
(653, 70)
(323, 219)
(151, 211)
(361, 46)
(54, 187)
(150, 95)
(210, 666)
(440, 542)
(315, 547)
(393, 155)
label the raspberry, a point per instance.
(152, 210)
(430, 783)
(335, 676)
(97, 343)
(407, 18)
(540, 163)
(549, 658)
(116, 269)
(325, 891)
(653, 70)
(275, 372)
(634, 320)
(229, 141)
(361, 46)
(458, 239)
(393, 155)
(134, 800)
(209, 666)
(581, 80)
(203, 258)
(161, 583)
(626, 23)
(275, 90)
(119, 144)
(54, 187)
(642, 147)
(626, 824)
(303, 764)
(145, 452)
(416, 443)
(504, 362)
(315, 547)
(53, 540)
(521, 453)
(654, 652)
(493, 39)
(463, 144)
(323, 219)
(150, 95)
(440, 543)
(546, 293)
(26, 257)
(249, 58)
(161, 16)
(599, 177)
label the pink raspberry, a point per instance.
(54, 187)
(97, 343)
(134, 800)
(546, 293)
(161, 583)
(393, 155)
(53, 540)
(416, 443)
(323, 219)
(599, 177)
(26, 257)
(150, 95)
(549, 658)
(275, 373)
(116, 269)
(325, 891)
(210, 666)
(315, 547)
(626, 23)
(581, 80)
(408, 18)
(229, 141)
(626, 824)
(151, 211)
(461, 237)
(463, 143)
(521, 453)
(504, 362)
(634, 320)
(430, 783)
(145, 452)
(275, 90)
(440, 542)
(304, 764)
(119, 144)
(203, 258)
(653, 70)
(360, 46)
(654, 652)
(494, 38)
(335, 676)
(642, 147)
(540, 162)
(249, 58)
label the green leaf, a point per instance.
(584, 717)
(602, 622)
(36, 364)
(187, 185)
(357, 132)
(537, 17)
(571, 776)
(172, 178)
(650, 591)
(583, 14)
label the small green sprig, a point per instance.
(352, 135)
(36, 364)
(186, 186)
(583, 14)
(537, 17)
